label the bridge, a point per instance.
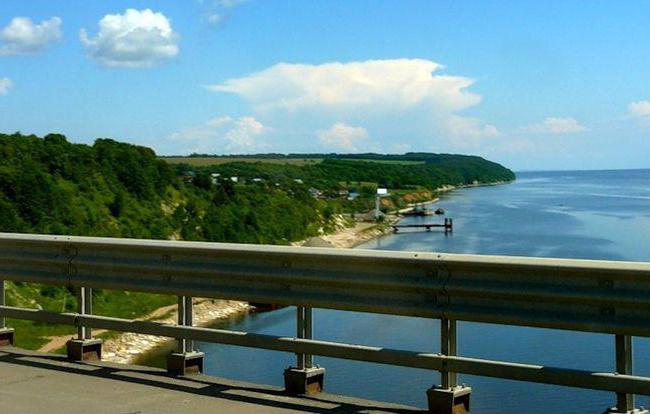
(580, 295)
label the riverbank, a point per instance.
(361, 232)
(127, 347)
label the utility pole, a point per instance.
(381, 192)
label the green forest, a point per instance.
(50, 185)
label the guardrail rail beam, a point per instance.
(611, 297)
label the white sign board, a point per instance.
(382, 191)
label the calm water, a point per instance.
(601, 215)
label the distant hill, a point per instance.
(426, 170)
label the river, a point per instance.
(596, 214)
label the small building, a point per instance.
(257, 180)
(316, 193)
(298, 180)
(234, 179)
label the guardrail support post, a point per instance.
(6, 334)
(185, 360)
(304, 378)
(449, 397)
(84, 348)
(624, 402)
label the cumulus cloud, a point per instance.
(342, 136)
(135, 39)
(22, 36)
(556, 126)
(461, 126)
(398, 84)
(413, 99)
(222, 135)
(5, 85)
(639, 109)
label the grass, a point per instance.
(204, 161)
(401, 162)
(119, 304)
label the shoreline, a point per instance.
(362, 232)
(127, 347)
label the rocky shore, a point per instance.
(126, 347)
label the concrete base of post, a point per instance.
(7, 336)
(179, 363)
(453, 400)
(307, 381)
(84, 349)
(614, 410)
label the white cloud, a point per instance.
(639, 109)
(342, 136)
(135, 39)
(398, 84)
(556, 126)
(222, 135)
(409, 99)
(5, 85)
(22, 36)
(461, 126)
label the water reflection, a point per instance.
(599, 215)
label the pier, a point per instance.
(448, 225)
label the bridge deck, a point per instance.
(33, 382)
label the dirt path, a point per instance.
(353, 236)
(59, 341)
(56, 342)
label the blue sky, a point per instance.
(534, 85)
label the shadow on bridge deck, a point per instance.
(33, 382)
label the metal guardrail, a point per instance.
(581, 295)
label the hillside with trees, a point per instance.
(115, 189)
(51, 186)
